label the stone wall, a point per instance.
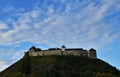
(59, 52)
(53, 52)
(77, 52)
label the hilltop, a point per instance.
(63, 66)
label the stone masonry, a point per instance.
(33, 51)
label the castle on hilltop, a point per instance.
(33, 51)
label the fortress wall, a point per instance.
(30, 54)
(71, 52)
(33, 54)
(92, 54)
(53, 52)
(40, 53)
(76, 53)
(59, 52)
(65, 53)
(33, 51)
(84, 53)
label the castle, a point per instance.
(33, 51)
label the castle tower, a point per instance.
(63, 48)
(32, 50)
(92, 53)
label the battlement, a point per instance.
(33, 51)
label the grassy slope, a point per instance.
(64, 66)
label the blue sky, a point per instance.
(53, 23)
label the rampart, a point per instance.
(33, 51)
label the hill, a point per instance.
(62, 66)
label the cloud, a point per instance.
(9, 56)
(72, 26)
(2, 65)
(3, 26)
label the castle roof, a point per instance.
(63, 46)
(92, 49)
(54, 49)
(33, 47)
(38, 49)
(74, 49)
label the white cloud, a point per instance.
(2, 65)
(3, 26)
(9, 56)
(82, 28)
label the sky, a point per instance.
(53, 23)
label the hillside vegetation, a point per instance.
(60, 66)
